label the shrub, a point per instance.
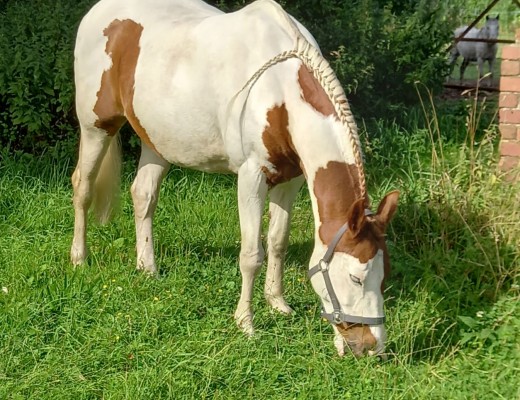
(36, 58)
(379, 48)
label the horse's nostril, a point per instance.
(360, 349)
(356, 348)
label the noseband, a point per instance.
(337, 316)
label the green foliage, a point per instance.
(106, 331)
(379, 48)
(498, 328)
(36, 57)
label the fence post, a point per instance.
(509, 109)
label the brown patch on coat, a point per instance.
(335, 188)
(116, 95)
(358, 337)
(313, 93)
(278, 142)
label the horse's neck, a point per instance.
(483, 33)
(328, 148)
(335, 178)
(333, 189)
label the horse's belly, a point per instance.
(206, 155)
(192, 145)
(178, 107)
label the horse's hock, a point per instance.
(509, 109)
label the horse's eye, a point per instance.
(355, 279)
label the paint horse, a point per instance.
(246, 93)
(476, 51)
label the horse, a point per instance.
(247, 93)
(476, 51)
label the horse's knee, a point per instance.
(277, 246)
(144, 198)
(251, 260)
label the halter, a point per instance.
(337, 316)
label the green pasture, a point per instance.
(106, 331)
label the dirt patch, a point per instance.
(455, 89)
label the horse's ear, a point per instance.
(487, 17)
(387, 208)
(498, 15)
(356, 216)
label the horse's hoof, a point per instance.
(244, 321)
(279, 304)
(77, 257)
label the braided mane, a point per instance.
(323, 72)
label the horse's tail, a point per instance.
(107, 185)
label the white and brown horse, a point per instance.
(246, 93)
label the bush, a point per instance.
(378, 48)
(36, 59)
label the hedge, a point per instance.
(379, 48)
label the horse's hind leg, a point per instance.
(145, 194)
(480, 66)
(463, 66)
(93, 148)
(281, 200)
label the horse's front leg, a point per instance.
(491, 63)
(463, 66)
(252, 191)
(453, 59)
(281, 200)
(145, 194)
(480, 62)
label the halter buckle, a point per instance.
(324, 265)
(336, 317)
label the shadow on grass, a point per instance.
(448, 263)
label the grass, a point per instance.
(106, 331)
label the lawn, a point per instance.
(106, 331)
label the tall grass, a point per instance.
(106, 331)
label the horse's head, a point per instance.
(350, 278)
(491, 28)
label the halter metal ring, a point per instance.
(324, 265)
(336, 317)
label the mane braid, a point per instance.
(325, 75)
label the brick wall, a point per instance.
(509, 109)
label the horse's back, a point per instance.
(472, 34)
(467, 49)
(189, 59)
